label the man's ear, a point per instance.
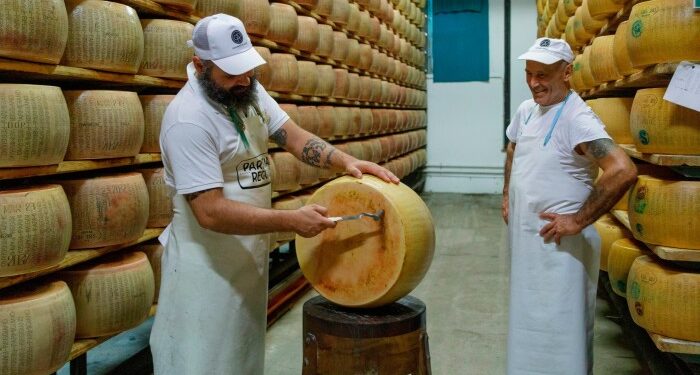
(568, 71)
(198, 64)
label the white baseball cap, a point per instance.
(222, 39)
(548, 51)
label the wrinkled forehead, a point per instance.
(538, 67)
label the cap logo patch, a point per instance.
(545, 43)
(237, 37)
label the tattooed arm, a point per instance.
(619, 173)
(314, 151)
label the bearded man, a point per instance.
(211, 315)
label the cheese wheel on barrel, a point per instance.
(104, 124)
(154, 107)
(659, 126)
(308, 78)
(286, 203)
(103, 35)
(622, 254)
(184, 5)
(205, 8)
(284, 24)
(154, 254)
(621, 55)
(286, 176)
(34, 126)
(160, 206)
(255, 15)
(107, 210)
(328, 118)
(263, 73)
(165, 51)
(21, 37)
(37, 328)
(284, 72)
(615, 115)
(309, 119)
(365, 263)
(307, 35)
(326, 80)
(665, 212)
(664, 300)
(663, 31)
(35, 228)
(609, 230)
(602, 64)
(112, 294)
(326, 41)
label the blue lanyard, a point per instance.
(554, 122)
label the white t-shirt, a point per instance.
(577, 124)
(197, 136)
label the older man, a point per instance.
(212, 308)
(549, 203)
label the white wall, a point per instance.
(465, 119)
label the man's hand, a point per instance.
(559, 226)
(311, 220)
(357, 167)
(504, 207)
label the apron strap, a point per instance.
(554, 122)
(238, 124)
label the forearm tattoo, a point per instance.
(280, 137)
(600, 148)
(311, 153)
(328, 158)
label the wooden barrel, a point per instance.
(387, 340)
(365, 263)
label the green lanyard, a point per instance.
(238, 124)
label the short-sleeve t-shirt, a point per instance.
(577, 124)
(197, 136)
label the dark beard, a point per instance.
(239, 97)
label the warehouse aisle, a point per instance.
(466, 292)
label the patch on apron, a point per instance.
(254, 172)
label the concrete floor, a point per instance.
(466, 293)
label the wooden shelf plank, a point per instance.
(658, 75)
(670, 345)
(76, 166)
(663, 252)
(663, 159)
(26, 71)
(74, 257)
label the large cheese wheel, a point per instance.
(185, 5)
(622, 254)
(165, 51)
(365, 263)
(665, 212)
(621, 55)
(308, 78)
(354, 19)
(376, 90)
(586, 73)
(309, 119)
(366, 121)
(353, 57)
(326, 41)
(104, 124)
(112, 294)
(609, 230)
(154, 254)
(615, 115)
(326, 80)
(154, 107)
(107, 210)
(663, 31)
(255, 15)
(35, 228)
(342, 122)
(210, 7)
(160, 206)
(664, 300)
(104, 35)
(308, 174)
(659, 126)
(353, 86)
(570, 35)
(365, 88)
(356, 150)
(342, 84)
(284, 72)
(23, 39)
(366, 57)
(602, 64)
(263, 73)
(286, 203)
(601, 9)
(292, 110)
(340, 46)
(582, 35)
(308, 36)
(286, 176)
(34, 126)
(355, 121)
(284, 24)
(577, 74)
(324, 7)
(340, 13)
(328, 118)
(37, 328)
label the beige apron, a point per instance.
(212, 307)
(552, 287)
